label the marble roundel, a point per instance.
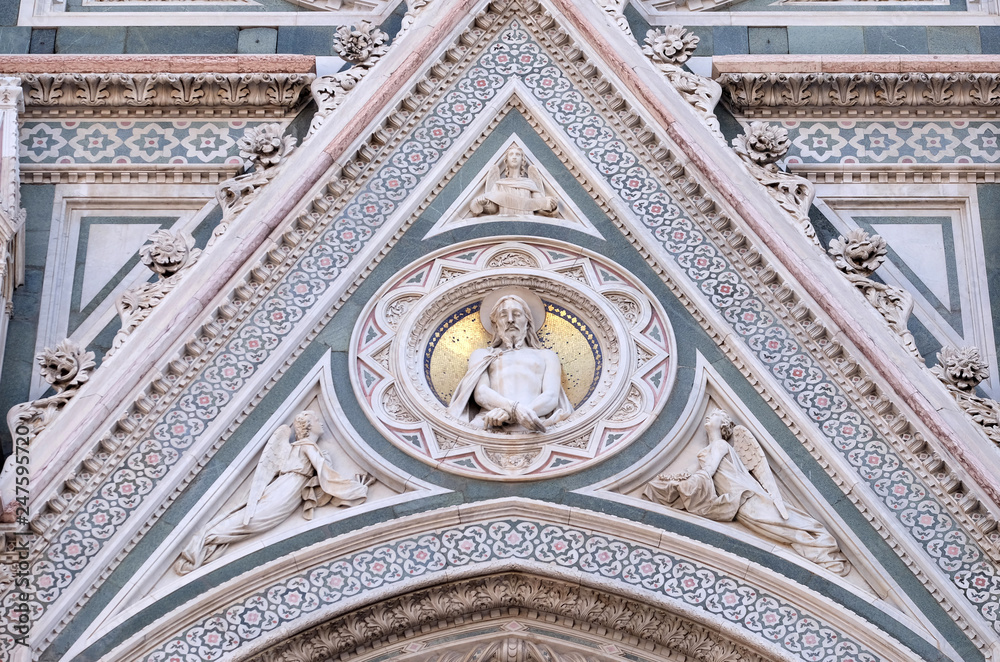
(412, 344)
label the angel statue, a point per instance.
(514, 194)
(734, 482)
(288, 473)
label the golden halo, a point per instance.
(535, 306)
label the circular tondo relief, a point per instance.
(512, 359)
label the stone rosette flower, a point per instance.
(961, 368)
(168, 253)
(763, 143)
(858, 252)
(263, 146)
(361, 43)
(671, 45)
(66, 366)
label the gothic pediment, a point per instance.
(344, 249)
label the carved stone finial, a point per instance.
(671, 45)
(858, 255)
(668, 49)
(961, 368)
(168, 255)
(362, 44)
(66, 368)
(760, 147)
(263, 148)
(858, 252)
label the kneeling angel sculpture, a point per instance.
(734, 482)
(288, 473)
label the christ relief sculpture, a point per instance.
(514, 384)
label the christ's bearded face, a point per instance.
(510, 320)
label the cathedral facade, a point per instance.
(520, 330)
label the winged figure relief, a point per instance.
(288, 474)
(734, 482)
(513, 194)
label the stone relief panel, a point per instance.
(514, 186)
(492, 359)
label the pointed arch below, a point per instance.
(746, 604)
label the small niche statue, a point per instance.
(514, 384)
(514, 194)
(288, 473)
(734, 482)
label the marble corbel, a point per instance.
(858, 255)
(961, 370)
(168, 256)
(760, 148)
(12, 215)
(66, 368)
(362, 46)
(263, 149)
(668, 49)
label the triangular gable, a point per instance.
(649, 195)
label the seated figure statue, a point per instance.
(514, 194)
(514, 384)
(734, 482)
(288, 474)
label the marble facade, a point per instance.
(254, 452)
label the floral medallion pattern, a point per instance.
(893, 142)
(514, 54)
(667, 576)
(131, 142)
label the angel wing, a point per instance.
(536, 177)
(492, 177)
(752, 455)
(273, 457)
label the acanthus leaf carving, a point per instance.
(668, 49)
(760, 148)
(66, 368)
(961, 369)
(263, 148)
(858, 255)
(362, 45)
(168, 256)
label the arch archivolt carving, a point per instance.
(600, 576)
(514, 617)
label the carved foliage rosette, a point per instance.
(412, 344)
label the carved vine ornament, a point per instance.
(858, 255)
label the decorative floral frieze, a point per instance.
(263, 149)
(858, 255)
(668, 49)
(240, 92)
(961, 369)
(169, 254)
(746, 92)
(362, 45)
(539, 599)
(66, 368)
(760, 148)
